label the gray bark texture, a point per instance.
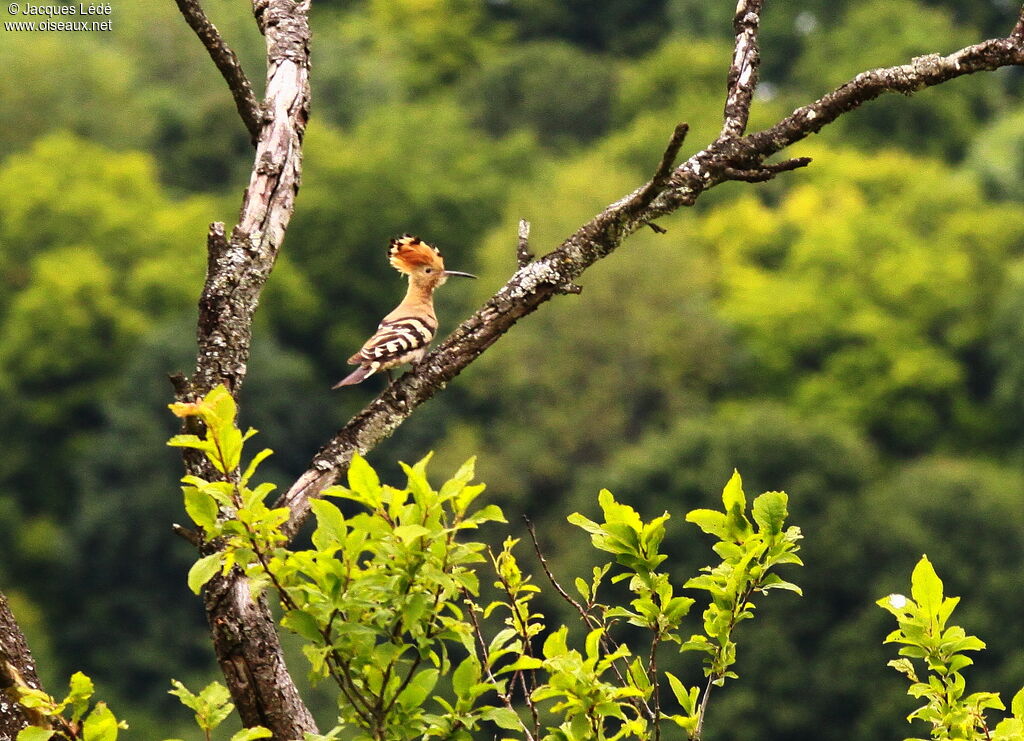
(245, 640)
(17, 669)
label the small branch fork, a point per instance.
(239, 265)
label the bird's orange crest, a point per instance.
(406, 253)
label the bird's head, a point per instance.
(422, 262)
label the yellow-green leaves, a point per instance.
(924, 635)
(223, 441)
(385, 600)
(99, 724)
(227, 508)
(623, 534)
(749, 553)
(749, 550)
(203, 570)
(211, 706)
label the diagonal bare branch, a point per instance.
(228, 64)
(919, 73)
(535, 283)
(1018, 30)
(746, 60)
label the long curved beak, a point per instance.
(459, 273)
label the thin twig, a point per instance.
(763, 173)
(652, 673)
(188, 534)
(228, 64)
(668, 158)
(609, 644)
(743, 72)
(703, 709)
(505, 697)
(1018, 30)
(589, 619)
(643, 197)
(523, 254)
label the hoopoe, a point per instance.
(404, 335)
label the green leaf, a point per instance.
(188, 441)
(465, 676)
(490, 513)
(710, 521)
(583, 522)
(732, 494)
(926, 588)
(363, 480)
(457, 483)
(221, 407)
(409, 533)
(254, 464)
(248, 734)
(522, 663)
(81, 689)
(183, 693)
(303, 624)
(554, 644)
(330, 525)
(687, 699)
(203, 570)
(34, 733)
(583, 588)
(617, 513)
(770, 511)
(215, 694)
(418, 688)
(201, 507)
(100, 725)
(503, 718)
(1017, 704)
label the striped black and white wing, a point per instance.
(396, 341)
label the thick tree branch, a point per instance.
(246, 642)
(228, 64)
(238, 267)
(746, 59)
(535, 283)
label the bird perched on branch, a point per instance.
(404, 335)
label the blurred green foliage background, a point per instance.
(851, 333)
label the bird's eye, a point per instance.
(428, 270)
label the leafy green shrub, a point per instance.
(389, 599)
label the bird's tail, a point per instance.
(356, 376)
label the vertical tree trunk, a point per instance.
(17, 669)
